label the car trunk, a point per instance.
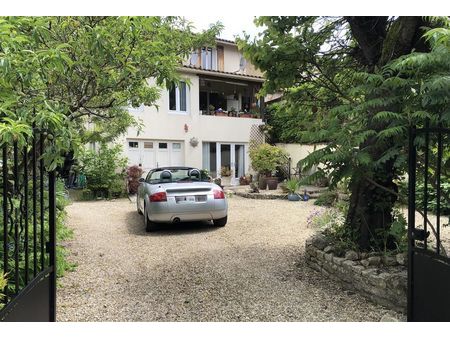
(190, 196)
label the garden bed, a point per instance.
(244, 191)
(381, 279)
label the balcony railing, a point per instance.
(241, 114)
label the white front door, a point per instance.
(229, 160)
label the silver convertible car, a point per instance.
(177, 194)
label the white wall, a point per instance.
(298, 151)
(232, 59)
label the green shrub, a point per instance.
(117, 187)
(327, 198)
(86, 195)
(266, 158)
(103, 169)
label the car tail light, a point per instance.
(218, 194)
(158, 197)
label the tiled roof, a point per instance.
(223, 72)
(225, 40)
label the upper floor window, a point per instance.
(209, 58)
(178, 97)
(206, 58)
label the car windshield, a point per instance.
(172, 175)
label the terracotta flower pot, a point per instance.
(221, 114)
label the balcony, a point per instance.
(230, 98)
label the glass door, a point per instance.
(239, 160)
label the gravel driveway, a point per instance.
(251, 270)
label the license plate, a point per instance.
(185, 199)
(190, 199)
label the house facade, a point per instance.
(207, 121)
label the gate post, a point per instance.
(411, 217)
(52, 243)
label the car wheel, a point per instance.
(137, 206)
(149, 225)
(220, 222)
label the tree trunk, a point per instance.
(370, 210)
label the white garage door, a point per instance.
(154, 153)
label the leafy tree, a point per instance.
(64, 73)
(365, 79)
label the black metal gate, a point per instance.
(428, 235)
(27, 231)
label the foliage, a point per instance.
(332, 222)
(292, 185)
(86, 195)
(117, 187)
(134, 173)
(265, 158)
(3, 283)
(76, 76)
(63, 233)
(204, 175)
(395, 236)
(432, 197)
(327, 198)
(103, 168)
(357, 96)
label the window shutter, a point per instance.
(220, 58)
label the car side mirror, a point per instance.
(142, 179)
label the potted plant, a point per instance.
(225, 171)
(245, 180)
(211, 109)
(283, 188)
(220, 112)
(232, 112)
(245, 114)
(265, 159)
(291, 186)
(254, 113)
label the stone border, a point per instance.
(258, 196)
(382, 280)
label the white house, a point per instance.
(187, 129)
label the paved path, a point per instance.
(251, 270)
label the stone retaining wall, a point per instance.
(383, 280)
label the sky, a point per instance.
(233, 24)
